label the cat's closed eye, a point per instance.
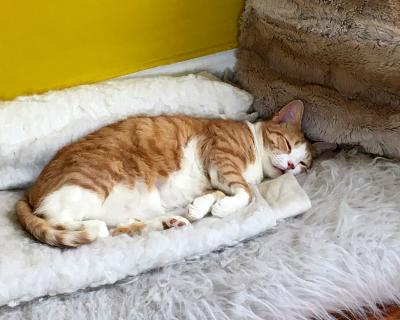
(304, 165)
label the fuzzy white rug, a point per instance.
(342, 254)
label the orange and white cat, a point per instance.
(130, 174)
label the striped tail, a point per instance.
(43, 231)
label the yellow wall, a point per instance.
(47, 44)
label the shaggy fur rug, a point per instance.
(343, 254)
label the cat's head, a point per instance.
(286, 148)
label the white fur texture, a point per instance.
(342, 254)
(33, 128)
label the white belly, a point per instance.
(187, 183)
(177, 191)
(124, 203)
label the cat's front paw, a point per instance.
(226, 206)
(200, 207)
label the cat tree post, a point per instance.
(342, 58)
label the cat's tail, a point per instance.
(43, 231)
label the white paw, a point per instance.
(226, 206)
(97, 228)
(176, 222)
(223, 207)
(200, 207)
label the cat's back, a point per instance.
(138, 147)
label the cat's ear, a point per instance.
(319, 148)
(291, 113)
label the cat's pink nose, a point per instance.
(290, 165)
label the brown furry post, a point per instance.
(340, 57)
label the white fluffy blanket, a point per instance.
(33, 128)
(344, 253)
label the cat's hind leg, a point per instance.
(65, 220)
(131, 228)
(203, 204)
(175, 222)
(166, 222)
(96, 228)
(156, 224)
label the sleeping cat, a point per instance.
(130, 174)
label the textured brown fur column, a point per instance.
(342, 58)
